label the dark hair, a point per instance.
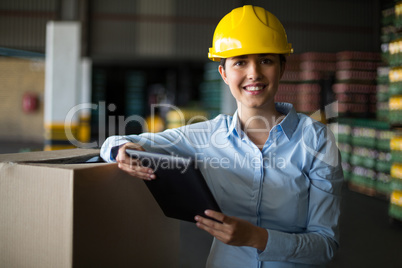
(222, 62)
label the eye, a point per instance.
(266, 61)
(239, 63)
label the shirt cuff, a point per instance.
(279, 246)
(113, 152)
(110, 144)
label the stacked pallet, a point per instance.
(382, 113)
(302, 83)
(365, 151)
(287, 90)
(315, 69)
(395, 96)
(395, 209)
(355, 86)
(393, 56)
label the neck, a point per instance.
(259, 120)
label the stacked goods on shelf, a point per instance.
(98, 96)
(211, 90)
(398, 14)
(135, 100)
(315, 68)
(365, 151)
(302, 82)
(362, 157)
(393, 36)
(396, 170)
(395, 208)
(388, 32)
(384, 158)
(354, 99)
(343, 134)
(382, 93)
(355, 86)
(395, 96)
(287, 90)
(395, 110)
(135, 83)
(395, 51)
(392, 54)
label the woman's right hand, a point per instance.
(133, 166)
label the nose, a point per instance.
(254, 71)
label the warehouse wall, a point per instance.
(23, 23)
(183, 29)
(124, 30)
(18, 77)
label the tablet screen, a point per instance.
(179, 188)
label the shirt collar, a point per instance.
(288, 124)
(235, 125)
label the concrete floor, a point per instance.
(368, 239)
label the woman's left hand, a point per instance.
(232, 230)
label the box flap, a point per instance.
(71, 156)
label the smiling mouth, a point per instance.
(254, 88)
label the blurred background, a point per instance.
(136, 53)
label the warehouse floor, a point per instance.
(368, 239)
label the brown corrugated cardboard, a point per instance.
(54, 214)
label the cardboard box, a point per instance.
(56, 211)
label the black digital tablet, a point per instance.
(179, 188)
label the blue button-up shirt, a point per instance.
(292, 187)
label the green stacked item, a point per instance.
(135, 100)
(395, 74)
(365, 151)
(395, 208)
(388, 32)
(382, 93)
(98, 96)
(384, 158)
(395, 111)
(211, 90)
(135, 83)
(363, 154)
(396, 170)
(391, 48)
(363, 177)
(343, 133)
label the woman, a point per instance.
(275, 174)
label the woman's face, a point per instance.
(253, 79)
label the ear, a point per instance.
(283, 67)
(223, 74)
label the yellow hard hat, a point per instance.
(248, 30)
